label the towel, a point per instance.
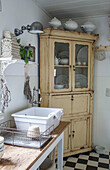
(27, 90)
(57, 114)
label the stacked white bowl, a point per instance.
(2, 146)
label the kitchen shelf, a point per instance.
(103, 48)
(5, 62)
(30, 62)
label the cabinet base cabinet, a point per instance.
(77, 138)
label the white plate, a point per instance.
(82, 54)
(82, 79)
(62, 79)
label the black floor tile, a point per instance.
(91, 167)
(70, 164)
(103, 165)
(85, 153)
(75, 156)
(65, 158)
(82, 161)
(92, 158)
(104, 156)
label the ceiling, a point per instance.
(75, 8)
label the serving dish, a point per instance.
(88, 27)
(70, 25)
(55, 23)
(100, 149)
(64, 61)
(59, 86)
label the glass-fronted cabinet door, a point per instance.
(61, 63)
(81, 67)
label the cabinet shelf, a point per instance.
(81, 66)
(61, 65)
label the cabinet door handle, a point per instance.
(74, 67)
(72, 98)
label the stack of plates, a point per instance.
(2, 147)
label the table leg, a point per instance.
(60, 154)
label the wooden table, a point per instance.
(20, 158)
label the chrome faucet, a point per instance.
(34, 102)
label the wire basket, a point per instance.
(26, 138)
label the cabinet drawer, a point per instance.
(61, 101)
(81, 104)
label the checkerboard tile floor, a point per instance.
(87, 161)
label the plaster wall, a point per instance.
(14, 14)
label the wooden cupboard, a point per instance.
(66, 81)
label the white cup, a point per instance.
(78, 63)
(84, 63)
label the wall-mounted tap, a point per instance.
(34, 101)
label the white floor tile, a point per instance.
(67, 168)
(92, 163)
(103, 160)
(89, 162)
(85, 157)
(64, 162)
(81, 166)
(71, 159)
(102, 169)
(94, 154)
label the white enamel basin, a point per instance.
(40, 116)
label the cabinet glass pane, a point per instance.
(61, 54)
(61, 77)
(81, 55)
(81, 77)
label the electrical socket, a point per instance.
(108, 92)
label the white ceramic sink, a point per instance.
(40, 116)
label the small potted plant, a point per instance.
(25, 53)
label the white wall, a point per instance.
(16, 13)
(101, 115)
